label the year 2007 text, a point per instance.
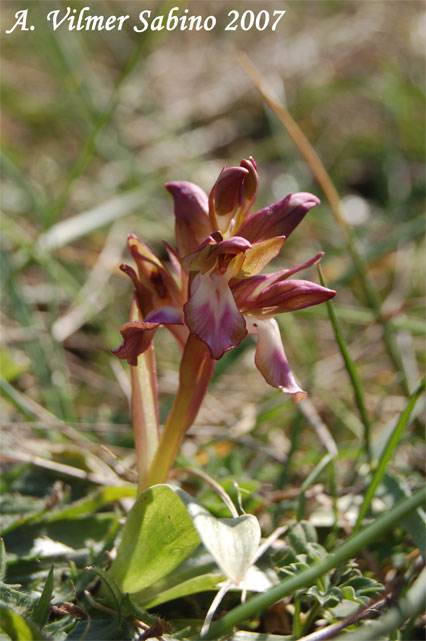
(260, 20)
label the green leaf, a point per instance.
(112, 586)
(197, 573)
(19, 601)
(345, 608)
(41, 611)
(233, 543)
(194, 585)
(17, 628)
(157, 537)
(100, 630)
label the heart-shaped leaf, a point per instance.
(233, 543)
(157, 537)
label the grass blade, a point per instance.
(41, 611)
(311, 478)
(387, 453)
(351, 369)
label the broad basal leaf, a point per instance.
(157, 537)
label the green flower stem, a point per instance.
(196, 370)
(390, 446)
(351, 369)
(144, 405)
(347, 550)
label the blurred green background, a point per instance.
(95, 122)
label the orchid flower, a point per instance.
(228, 297)
(218, 294)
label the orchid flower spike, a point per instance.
(222, 250)
(218, 293)
(228, 297)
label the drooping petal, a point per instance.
(278, 219)
(191, 212)
(138, 335)
(212, 315)
(270, 357)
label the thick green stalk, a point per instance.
(196, 370)
(347, 550)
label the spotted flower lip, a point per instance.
(222, 250)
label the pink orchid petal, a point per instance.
(165, 316)
(247, 291)
(270, 357)
(212, 315)
(290, 295)
(233, 245)
(226, 197)
(279, 219)
(250, 186)
(191, 212)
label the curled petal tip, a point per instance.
(303, 199)
(299, 396)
